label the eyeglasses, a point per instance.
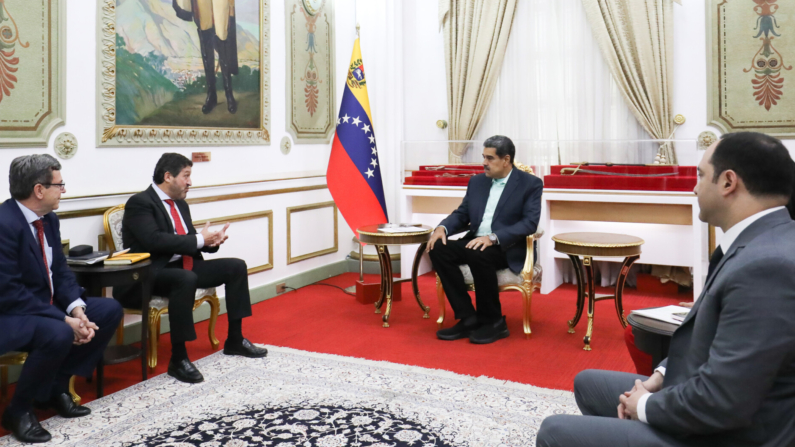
(60, 185)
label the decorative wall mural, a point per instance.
(310, 70)
(32, 61)
(751, 47)
(9, 38)
(184, 72)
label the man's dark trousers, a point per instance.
(52, 355)
(596, 393)
(180, 285)
(483, 264)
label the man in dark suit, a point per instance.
(729, 378)
(158, 221)
(42, 310)
(500, 209)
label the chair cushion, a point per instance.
(161, 302)
(114, 221)
(504, 277)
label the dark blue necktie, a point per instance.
(717, 255)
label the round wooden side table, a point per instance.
(94, 278)
(590, 245)
(652, 336)
(369, 234)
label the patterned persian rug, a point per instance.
(301, 399)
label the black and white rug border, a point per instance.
(461, 410)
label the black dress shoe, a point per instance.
(245, 349)
(489, 333)
(65, 406)
(462, 329)
(25, 427)
(184, 371)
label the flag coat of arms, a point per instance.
(354, 172)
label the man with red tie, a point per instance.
(158, 221)
(42, 309)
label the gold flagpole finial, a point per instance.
(357, 29)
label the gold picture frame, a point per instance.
(314, 206)
(112, 134)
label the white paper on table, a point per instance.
(399, 229)
(665, 314)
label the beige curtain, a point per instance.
(475, 37)
(636, 39)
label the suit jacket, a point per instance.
(24, 282)
(515, 218)
(147, 228)
(730, 371)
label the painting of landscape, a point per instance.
(162, 67)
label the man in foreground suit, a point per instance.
(500, 209)
(158, 221)
(41, 309)
(729, 378)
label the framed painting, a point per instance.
(310, 90)
(183, 72)
(32, 71)
(750, 55)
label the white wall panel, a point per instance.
(312, 230)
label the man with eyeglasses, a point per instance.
(42, 309)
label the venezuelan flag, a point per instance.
(354, 172)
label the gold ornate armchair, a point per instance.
(158, 306)
(18, 358)
(525, 282)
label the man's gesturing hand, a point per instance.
(438, 233)
(221, 235)
(479, 242)
(214, 238)
(207, 234)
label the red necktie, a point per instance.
(40, 233)
(187, 261)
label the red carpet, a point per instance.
(324, 319)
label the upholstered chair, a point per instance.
(18, 358)
(525, 282)
(158, 305)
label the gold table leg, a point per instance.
(386, 283)
(578, 270)
(588, 263)
(75, 398)
(622, 279)
(414, 269)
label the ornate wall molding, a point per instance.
(33, 78)
(750, 55)
(243, 217)
(89, 212)
(314, 206)
(310, 90)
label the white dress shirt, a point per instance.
(163, 197)
(31, 217)
(725, 244)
